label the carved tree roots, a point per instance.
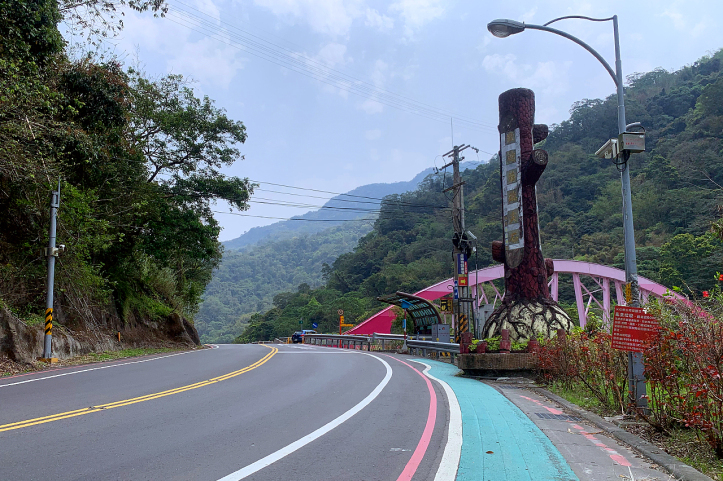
(525, 319)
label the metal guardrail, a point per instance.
(336, 340)
(414, 346)
(352, 341)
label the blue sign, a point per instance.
(462, 264)
(456, 292)
(314, 325)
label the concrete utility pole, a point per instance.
(51, 253)
(462, 249)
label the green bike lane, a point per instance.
(510, 433)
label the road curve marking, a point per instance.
(411, 468)
(300, 443)
(135, 400)
(449, 465)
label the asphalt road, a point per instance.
(235, 412)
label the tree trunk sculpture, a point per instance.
(527, 309)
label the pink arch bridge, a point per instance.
(593, 284)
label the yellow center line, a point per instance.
(128, 402)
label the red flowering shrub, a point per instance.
(683, 367)
(588, 359)
(684, 364)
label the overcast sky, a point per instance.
(372, 85)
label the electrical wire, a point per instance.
(292, 218)
(296, 58)
(309, 67)
(409, 204)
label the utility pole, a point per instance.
(462, 246)
(51, 252)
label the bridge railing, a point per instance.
(421, 347)
(382, 342)
(336, 340)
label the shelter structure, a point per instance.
(422, 313)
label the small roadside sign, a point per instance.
(314, 325)
(340, 312)
(445, 304)
(631, 326)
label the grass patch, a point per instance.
(113, 355)
(582, 397)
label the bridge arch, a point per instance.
(593, 284)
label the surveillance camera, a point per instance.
(471, 235)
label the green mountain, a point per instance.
(272, 259)
(676, 186)
(339, 208)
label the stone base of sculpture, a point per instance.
(527, 319)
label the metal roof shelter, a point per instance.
(422, 312)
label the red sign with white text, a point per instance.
(631, 326)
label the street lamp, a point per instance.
(502, 28)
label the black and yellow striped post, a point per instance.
(49, 322)
(462, 326)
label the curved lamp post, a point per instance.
(502, 28)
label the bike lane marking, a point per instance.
(411, 468)
(449, 464)
(499, 441)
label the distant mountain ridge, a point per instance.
(279, 257)
(289, 228)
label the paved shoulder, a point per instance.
(499, 440)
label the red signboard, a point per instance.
(631, 326)
(462, 280)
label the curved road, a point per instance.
(257, 412)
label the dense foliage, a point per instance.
(137, 160)
(247, 281)
(676, 187)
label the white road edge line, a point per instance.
(92, 369)
(453, 450)
(285, 451)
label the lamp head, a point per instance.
(503, 27)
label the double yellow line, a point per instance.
(128, 402)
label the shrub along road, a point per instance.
(269, 413)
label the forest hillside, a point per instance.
(138, 162)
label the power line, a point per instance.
(288, 55)
(409, 204)
(312, 68)
(292, 218)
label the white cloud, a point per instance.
(417, 13)
(693, 27)
(373, 134)
(529, 15)
(549, 78)
(208, 7)
(379, 72)
(331, 17)
(333, 54)
(376, 20)
(371, 107)
(208, 62)
(205, 60)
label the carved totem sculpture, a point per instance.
(527, 309)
